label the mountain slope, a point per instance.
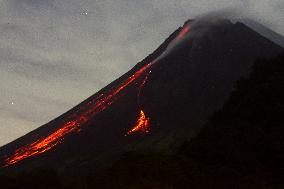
(246, 135)
(155, 106)
(266, 32)
(241, 146)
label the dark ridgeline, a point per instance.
(243, 142)
(183, 90)
(266, 32)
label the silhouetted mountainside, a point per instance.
(246, 136)
(266, 32)
(240, 147)
(195, 79)
(162, 101)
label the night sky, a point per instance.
(56, 53)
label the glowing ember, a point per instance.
(142, 124)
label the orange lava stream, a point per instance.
(142, 124)
(42, 145)
(83, 115)
(183, 32)
(142, 86)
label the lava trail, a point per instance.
(80, 118)
(141, 87)
(85, 113)
(183, 32)
(142, 124)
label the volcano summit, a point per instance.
(164, 100)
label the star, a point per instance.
(85, 13)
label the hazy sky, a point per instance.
(56, 53)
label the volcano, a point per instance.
(162, 101)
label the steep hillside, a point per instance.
(162, 101)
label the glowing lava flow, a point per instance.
(183, 32)
(83, 115)
(141, 125)
(42, 145)
(141, 87)
(143, 122)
